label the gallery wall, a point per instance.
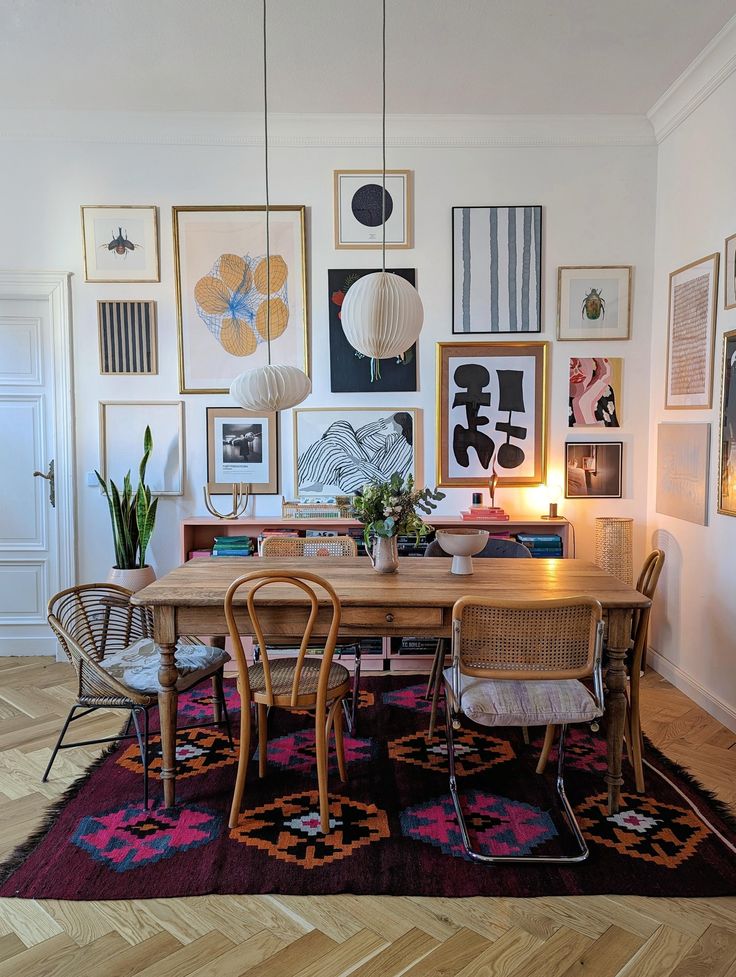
(594, 178)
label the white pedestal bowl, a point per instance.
(462, 544)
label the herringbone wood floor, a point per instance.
(269, 936)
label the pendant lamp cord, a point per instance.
(383, 139)
(268, 213)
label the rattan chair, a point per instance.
(318, 547)
(494, 549)
(304, 682)
(108, 641)
(517, 663)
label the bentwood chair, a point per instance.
(317, 547)
(647, 585)
(303, 682)
(519, 663)
(109, 643)
(494, 549)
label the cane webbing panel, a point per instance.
(282, 676)
(313, 546)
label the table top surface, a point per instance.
(419, 582)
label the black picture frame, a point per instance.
(593, 469)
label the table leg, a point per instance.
(165, 635)
(619, 634)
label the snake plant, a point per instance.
(132, 514)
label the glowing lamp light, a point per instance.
(553, 492)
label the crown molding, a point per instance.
(326, 131)
(715, 63)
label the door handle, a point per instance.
(51, 479)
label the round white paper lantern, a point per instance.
(382, 315)
(271, 388)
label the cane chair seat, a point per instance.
(137, 665)
(282, 679)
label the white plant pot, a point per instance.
(132, 579)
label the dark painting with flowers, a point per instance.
(350, 371)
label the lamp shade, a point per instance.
(613, 546)
(271, 388)
(382, 315)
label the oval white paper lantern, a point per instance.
(382, 315)
(271, 388)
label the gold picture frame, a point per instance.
(729, 273)
(727, 429)
(524, 369)
(225, 427)
(111, 257)
(574, 286)
(682, 349)
(196, 258)
(351, 234)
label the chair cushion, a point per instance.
(282, 676)
(137, 665)
(492, 702)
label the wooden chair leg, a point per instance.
(262, 739)
(549, 738)
(339, 743)
(218, 696)
(438, 656)
(525, 734)
(320, 737)
(243, 758)
(635, 738)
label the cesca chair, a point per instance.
(304, 682)
(520, 663)
(109, 642)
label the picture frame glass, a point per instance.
(120, 244)
(691, 334)
(682, 471)
(594, 302)
(593, 469)
(242, 446)
(122, 426)
(729, 273)
(359, 211)
(727, 454)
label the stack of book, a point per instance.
(485, 512)
(542, 545)
(232, 546)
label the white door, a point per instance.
(36, 512)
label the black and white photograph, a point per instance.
(593, 469)
(242, 444)
(241, 447)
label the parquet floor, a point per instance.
(268, 936)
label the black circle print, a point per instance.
(366, 205)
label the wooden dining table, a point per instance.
(416, 600)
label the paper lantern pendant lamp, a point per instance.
(382, 315)
(271, 388)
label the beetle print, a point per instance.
(594, 305)
(120, 244)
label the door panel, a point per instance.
(24, 508)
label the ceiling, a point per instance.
(489, 57)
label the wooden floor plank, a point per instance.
(129, 961)
(506, 954)
(244, 957)
(346, 956)
(450, 957)
(301, 953)
(10, 944)
(553, 957)
(31, 962)
(659, 955)
(405, 951)
(607, 955)
(711, 956)
(187, 959)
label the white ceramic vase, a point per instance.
(385, 555)
(132, 579)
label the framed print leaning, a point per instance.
(242, 446)
(727, 456)
(120, 244)
(338, 449)
(122, 425)
(682, 471)
(491, 413)
(221, 291)
(594, 302)
(691, 329)
(359, 211)
(496, 269)
(729, 273)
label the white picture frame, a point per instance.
(122, 426)
(683, 461)
(729, 273)
(120, 243)
(358, 224)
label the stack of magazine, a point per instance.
(232, 546)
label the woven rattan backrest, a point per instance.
(647, 585)
(544, 639)
(98, 619)
(302, 581)
(313, 546)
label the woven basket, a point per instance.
(614, 546)
(315, 510)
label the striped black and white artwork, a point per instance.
(127, 336)
(497, 269)
(339, 451)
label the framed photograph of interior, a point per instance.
(122, 425)
(496, 269)
(729, 277)
(221, 288)
(359, 212)
(727, 455)
(242, 446)
(491, 413)
(338, 449)
(127, 337)
(682, 471)
(691, 334)
(593, 469)
(594, 302)
(120, 244)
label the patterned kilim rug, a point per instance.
(393, 827)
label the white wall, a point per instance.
(598, 208)
(695, 614)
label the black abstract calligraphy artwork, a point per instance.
(474, 381)
(511, 400)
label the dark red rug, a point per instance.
(393, 827)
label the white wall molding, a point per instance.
(327, 131)
(715, 63)
(719, 709)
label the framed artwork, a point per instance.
(491, 413)
(595, 391)
(359, 212)
(691, 333)
(594, 302)
(337, 450)
(127, 337)
(682, 471)
(496, 269)
(727, 454)
(351, 371)
(729, 277)
(221, 291)
(120, 244)
(593, 469)
(122, 425)
(242, 446)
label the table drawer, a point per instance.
(391, 617)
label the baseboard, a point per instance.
(28, 647)
(717, 708)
